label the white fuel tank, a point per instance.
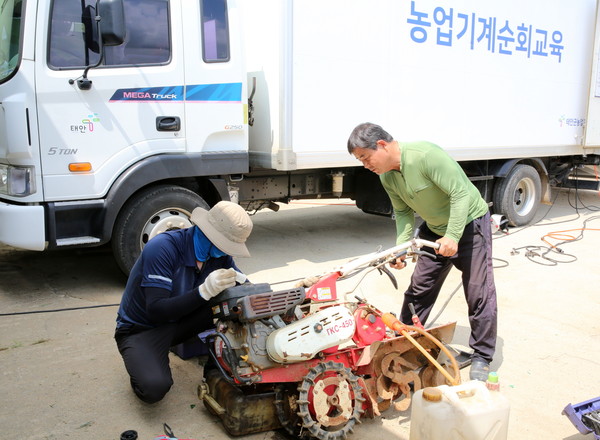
(303, 339)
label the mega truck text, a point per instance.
(118, 117)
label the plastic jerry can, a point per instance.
(468, 411)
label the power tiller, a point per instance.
(315, 364)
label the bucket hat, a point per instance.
(227, 225)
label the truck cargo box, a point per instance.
(483, 80)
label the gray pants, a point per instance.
(474, 260)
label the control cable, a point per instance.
(66, 309)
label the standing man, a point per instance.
(167, 293)
(421, 178)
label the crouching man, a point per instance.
(166, 298)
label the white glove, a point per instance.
(240, 277)
(216, 282)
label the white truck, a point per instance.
(118, 117)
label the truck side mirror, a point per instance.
(112, 22)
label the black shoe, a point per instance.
(479, 370)
(463, 358)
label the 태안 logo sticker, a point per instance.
(86, 125)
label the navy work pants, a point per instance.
(146, 352)
(474, 260)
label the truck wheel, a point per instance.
(517, 196)
(147, 214)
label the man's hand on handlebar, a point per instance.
(398, 263)
(448, 247)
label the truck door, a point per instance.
(216, 111)
(134, 106)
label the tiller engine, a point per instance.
(313, 364)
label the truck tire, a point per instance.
(517, 196)
(147, 214)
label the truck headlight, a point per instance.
(17, 181)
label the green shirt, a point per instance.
(433, 185)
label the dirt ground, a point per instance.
(62, 376)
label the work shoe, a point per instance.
(479, 370)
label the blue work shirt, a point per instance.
(167, 262)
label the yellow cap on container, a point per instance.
(432, 394)
(492, 377)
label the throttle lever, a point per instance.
(394, 259)
(416, 253)
(423, 253)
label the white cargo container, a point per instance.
(187, 102)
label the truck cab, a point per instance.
(99, 100)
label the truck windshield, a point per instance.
(10, 32)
